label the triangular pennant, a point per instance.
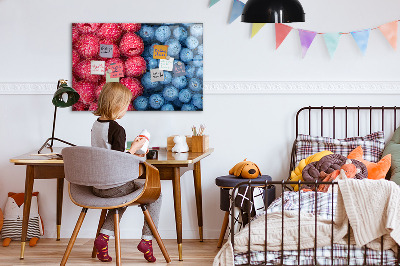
(237, 8)
(332, 41)
(361, 37)
(306, 39)
(213, 2)
(389, 30)
(256, 27)
(281, 31)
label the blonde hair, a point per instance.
(113, 97)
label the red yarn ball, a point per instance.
(98, 89)
(80, 106)
(135, 66)
(82, 71)
(75, 34)
(133, 85)
(75, 57)
(109, 31)
(131, 45)
(86, 91)
(131, 27)
(87, 27)
(93, 107)
(88, 46)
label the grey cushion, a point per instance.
(83, 195)
(393, 148)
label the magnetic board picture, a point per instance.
(161, 63)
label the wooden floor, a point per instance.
(50, 252)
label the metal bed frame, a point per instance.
(283, 184)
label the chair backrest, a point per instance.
(92, 166)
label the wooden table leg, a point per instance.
(223, 229)
(176, 184)
(27, 206)
(199, 204)
(60, 191)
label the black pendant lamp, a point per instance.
(273, 11)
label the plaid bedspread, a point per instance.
(321, 205)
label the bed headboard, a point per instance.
(344, 121)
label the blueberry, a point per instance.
(197, 61)
(167, 107)
(167, 78)
(199, 72)
(180, 33)
(195, 85)
(147, 83)
(177, 103)
(146, 33)
(151, 49)
(174, 47)
(196, 30)
(185, 96)
(179, 82)
(188, 107)
(192, 42)
(170, 93)
(163, 33)
(199, 49)
(156, 101)
(186, 55)
(190, 71)
(151, 63)
(197, 101)
(140, 103)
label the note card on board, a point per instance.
(160, 51)
(179, 69)
(97, 67)
(106, 50)
(117, 70)
(157, 75)
(167, 63)
(110, 79)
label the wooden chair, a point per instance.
(85, 167)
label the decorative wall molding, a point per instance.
(247, 87)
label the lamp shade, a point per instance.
(273, 11)
(70, 96)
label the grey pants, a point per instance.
(153, 208)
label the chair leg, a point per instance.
(73, 237)
(223, 229)
(101, 222)
(117, 239)
(154, 230)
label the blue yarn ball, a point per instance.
(167, 107)
(186, 55)
(192, 42)
(196, 30)
(140, 103)
(188, 107)
(151, 49)
(197, 61)
(195, 85)
(170, 93)
(199, 49)
(146, 33)
(156, 101)
(185, 96)
(174, 47)
(179, 82)
(167, 78)
(162, 33)
(199, 72)
(177, 103)
(147, 83)
(197, 101)
(190, 71)
(180, 33)
(151, 63)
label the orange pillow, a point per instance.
(375, 170)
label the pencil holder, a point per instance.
(200, 143)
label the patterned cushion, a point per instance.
(372, 144)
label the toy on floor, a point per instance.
(245, 169)
(13, 215)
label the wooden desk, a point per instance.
(168, 164)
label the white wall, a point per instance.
(36, 47)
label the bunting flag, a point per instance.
(281, 31)
(237, 8)
(332, 41)
(213, 2)
(306, 39)
(389, 30)
(361, 37)
(256, 27)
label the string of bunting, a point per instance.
(361, 37)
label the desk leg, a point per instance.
(197, 189)
(60, 190)
(176, 182)
(27, 206)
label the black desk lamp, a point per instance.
(273, 11)
(64, 97)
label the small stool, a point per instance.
(226, 183)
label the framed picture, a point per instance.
(162, 64)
